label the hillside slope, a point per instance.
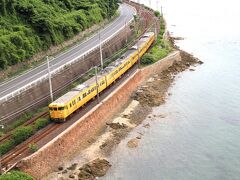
(30, 26)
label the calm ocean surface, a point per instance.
(199, 139)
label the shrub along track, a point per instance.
(29, 122)
(23, 149)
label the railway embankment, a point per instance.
(53, 154)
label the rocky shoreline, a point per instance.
(151, 93)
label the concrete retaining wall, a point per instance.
(52, 155)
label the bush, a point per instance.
(30, 26)
(16, 175)
(6, 146)
(41, 123)
(22, 133)
(20, 121)
(157, 13)
(147, 59)
(33, 147)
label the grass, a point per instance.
(160, 49)
(27, 65)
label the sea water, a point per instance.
(199, 136)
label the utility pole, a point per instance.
(50, 81)
(96, 74)
(100, 47)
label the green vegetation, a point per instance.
(41, 123)
(157, 13)
(160, 49)
(19, 122)
(6, 146)
(16, 175)
(30, 26)
(33, 147)
(22, 133)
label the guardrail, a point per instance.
(35, 82)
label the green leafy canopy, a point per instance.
(30, 26)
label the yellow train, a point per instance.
(64, 106)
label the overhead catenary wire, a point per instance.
(47, 95)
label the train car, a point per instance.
(67, 104)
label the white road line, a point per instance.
(57, 69)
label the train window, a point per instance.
(79, 99)
(74, 102)
(55, 109)
(70, 105)
(51, 109)
(84, 95)
(61, 108)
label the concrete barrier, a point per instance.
(67, 143)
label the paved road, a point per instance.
(6, 88)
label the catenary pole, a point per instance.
(50, 81)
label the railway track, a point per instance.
(23, 150)
(31, 121)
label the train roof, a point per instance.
(76, 90)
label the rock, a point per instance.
(117, 125)
(71, 176)
(93, 169)
(133, 143)
(200, 62)
(72, 167)
(147, 125)
(162, 116)
(103, 145)
(150, 79)
(60, 168)
(125, 116)
(64, 172)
